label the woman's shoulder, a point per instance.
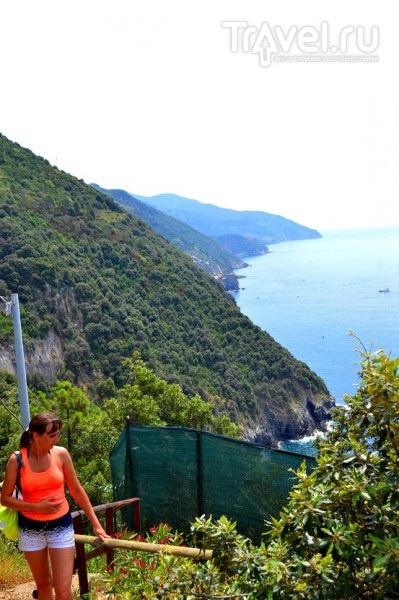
(60, 452)
(13, 460)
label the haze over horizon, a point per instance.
(153, 98)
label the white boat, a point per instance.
(384, 290)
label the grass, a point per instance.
(13, 566)
(14, 569)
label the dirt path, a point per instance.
(24, 591)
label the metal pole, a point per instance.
(20, 360)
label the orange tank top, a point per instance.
(39, 486)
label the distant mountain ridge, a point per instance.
(206, 252)
(215, 221)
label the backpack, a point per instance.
(9, 516)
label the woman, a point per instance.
(46, 531)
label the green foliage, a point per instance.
(337, 537)
(347, 509)
(163, 575)
(10, 428)
(6, 328)
(71, 403)
(209, 254)
(90, 432)
(98, 284)
(150, 400)
(13, 566)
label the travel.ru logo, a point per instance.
(303, 44)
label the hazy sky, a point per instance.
(149, 97)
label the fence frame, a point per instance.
(82, 556)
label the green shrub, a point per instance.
(337, 537)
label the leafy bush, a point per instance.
(346, 511)
(163, 575)
(337, 537)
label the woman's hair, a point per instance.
(39, 423)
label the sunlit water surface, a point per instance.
(310, 294)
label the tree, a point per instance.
(341, 525)
(150, 400)
(70, 402)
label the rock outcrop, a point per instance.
(46, 358)
(300, 420)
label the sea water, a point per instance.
(310, 294)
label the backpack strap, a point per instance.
(20, 464)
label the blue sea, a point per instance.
(310, 294)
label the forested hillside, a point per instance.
(206, 252)
(96, 284)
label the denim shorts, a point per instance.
(37, 535)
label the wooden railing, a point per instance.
(109, 545)
(81, 555)
(194, 553)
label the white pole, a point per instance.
(20, 360)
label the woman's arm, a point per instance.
(79, 494)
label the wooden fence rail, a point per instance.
(194, 553)
(81, 556)
(108, 545)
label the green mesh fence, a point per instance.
(180, 473)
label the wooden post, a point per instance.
(136, 516)
(109, 528)
(81, 557)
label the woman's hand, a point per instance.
(99, 531)
(49, 505)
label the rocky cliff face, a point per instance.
(45, 358)
(302, 419)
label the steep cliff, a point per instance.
(96, 284)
